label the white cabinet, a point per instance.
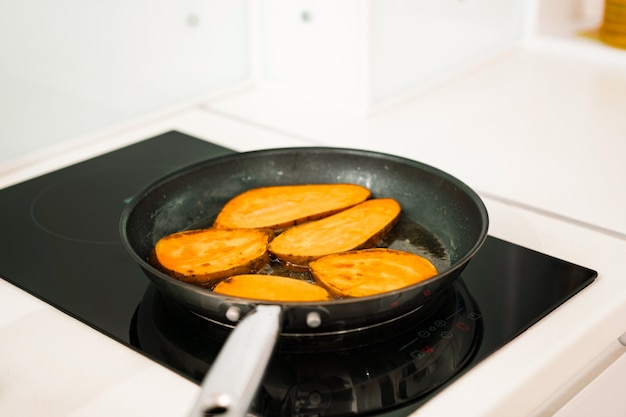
(72, 67)
(605, 395)
(361, 55)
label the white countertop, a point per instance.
(537, 131)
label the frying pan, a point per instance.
(191, 198)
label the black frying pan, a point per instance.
(191, 198)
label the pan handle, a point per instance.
(234, 378)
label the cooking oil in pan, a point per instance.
(410, 236)
(406, 235)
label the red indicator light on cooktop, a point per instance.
(464, 327)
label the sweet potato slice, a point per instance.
(370, 271)
(283, 206)
(206, 255)
(271, 288)
(358, 227)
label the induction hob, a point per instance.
(61, 244)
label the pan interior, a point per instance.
(449, 212)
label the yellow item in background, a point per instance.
(613, 28)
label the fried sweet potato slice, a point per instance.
(358, 227)
(279, 207)
(271, 288)
(370, 271)
(205, 256)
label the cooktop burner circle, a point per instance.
(389, 367)
(87, 208)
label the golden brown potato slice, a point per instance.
(206, 255)
(370, 271)
(358, 227)
(283, 206)
(271, 288)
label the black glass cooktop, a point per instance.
(60, 243)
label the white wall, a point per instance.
(69, 67)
